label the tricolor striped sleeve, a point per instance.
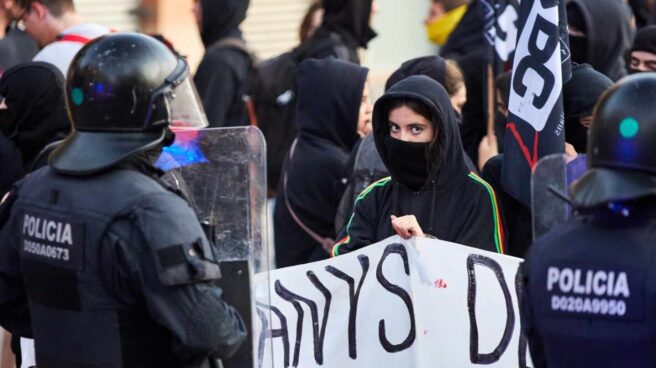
(499, 236)
(347, 238)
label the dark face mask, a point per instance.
(633, 71)
(408, 162)
(8, 125)
(579, 48)
(576, 134)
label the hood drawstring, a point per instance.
(431, 225)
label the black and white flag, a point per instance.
(541, 67)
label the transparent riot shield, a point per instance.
(222, 173)
(550, 183)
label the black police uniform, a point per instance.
(99, 262)
(117, 272)
(590, 285)
(591, 293)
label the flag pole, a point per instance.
(491, 94)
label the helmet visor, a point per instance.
(185, 108)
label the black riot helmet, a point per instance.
(123, 93)
(621, 145)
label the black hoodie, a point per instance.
(581, 93)
(330, 92)
(344, 29)
(609, 34)
(431, 66)
(34, 93)
(645, 40)
(365, 162)
(453, 204)
(222, 75)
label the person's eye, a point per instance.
(393, 128)
(416, 130)
(635, 62)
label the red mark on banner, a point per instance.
(532, 160)
(440, 284)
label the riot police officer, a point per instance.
(99, 261)
(590, 285)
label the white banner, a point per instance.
(424, 303)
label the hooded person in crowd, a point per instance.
(222, 75)
(431, 191)
(581, 93)
(346, 27)
(15, 46)
(333, 108)
(35, 116)
(643, 53)
(457, 27)
(600, 34)
(445, 72)
(365, 163)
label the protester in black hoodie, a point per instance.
(365, 164)
(222, 75)
(643, 53)
(600, 34)
(345, 28)
(35, 117)
(331, 105)
(431, 190)
(580, 95)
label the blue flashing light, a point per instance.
(181, 154)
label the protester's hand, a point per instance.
(407, 227)
(487, 149)
(570, 153)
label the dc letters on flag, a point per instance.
(536, 125)
(394, 304)
(537, 78)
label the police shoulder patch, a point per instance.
(187, 263)
(52, 239)
(608, 292)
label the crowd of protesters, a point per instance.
(420, 161)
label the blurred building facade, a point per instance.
(271, 28)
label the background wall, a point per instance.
(271, 28)
(401, 36)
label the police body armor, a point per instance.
(593, 292)
(77, 281)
